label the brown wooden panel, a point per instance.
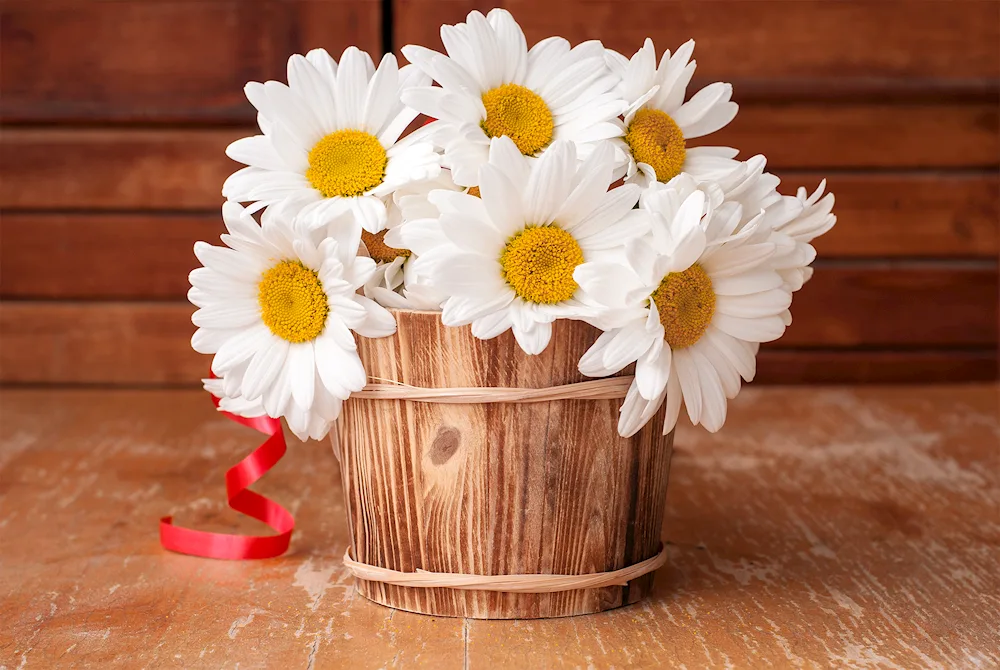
(162, 60)
(789, 366)
(135, 256)
(115, 169)
(891, 304)
(148, 343)
(911, 214)
(104, 256)
(919, 49)
(875, 135)
(184, 169)
(116, 343)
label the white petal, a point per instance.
(652, 373)
(264, 368)
(607, 208)
(294, 115)
(442, 69)
(502, 200)
(707, 111)
(459, 311)
(686, 370)
(513, 47)
(728, 262)
(309, 83)
(491, 325)
(340, 369)
(729, 376)
(607, 282)
(592, 361)
(370, 211)
(743, 284)
(548, 185)
(688, 251)
(674, 398)
(352, 87)
(507, 158)
(534, 340)
(381, 94)
(470, 275)
(626, 347)
(613, 234)
(378, 321)
(755, 305)
(765, 329)
(256, 151)
(636, 411)
(472, 235)
(229, 314)
(302, 373)
(735, 351)
(713, 399)
(240, 348)
(209, 340)
(239, 266)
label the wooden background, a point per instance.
(116, 114)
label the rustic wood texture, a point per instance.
(117, 115)
(923, 49)
(107, 256)
(162, 60)
(834, 527)
(499, 488)
(909, 215)
(147, 344)
(101, 168)
(874, 366)
(147, 255)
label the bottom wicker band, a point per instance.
(505, 583)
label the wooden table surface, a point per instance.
(823, 527)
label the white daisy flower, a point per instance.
(278, 312)
(693, 300)
(492, 85)
(506, 260)
(330, 140)
(658, 123)
(303, 424)
(398, 281)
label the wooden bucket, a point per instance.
(500, 488)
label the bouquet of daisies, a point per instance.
(548, 183)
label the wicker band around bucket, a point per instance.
(497, 484)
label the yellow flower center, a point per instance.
(346, 163)
(656, 140)
(686, 303)
(379, 250)
(520, 114)
(474, 190)
(292, 302)
(538, 263)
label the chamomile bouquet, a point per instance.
(550, 182)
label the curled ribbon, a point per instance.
(238, 478)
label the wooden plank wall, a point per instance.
(116, 115)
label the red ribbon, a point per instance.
(242, 499)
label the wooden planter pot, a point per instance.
(499, 488)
